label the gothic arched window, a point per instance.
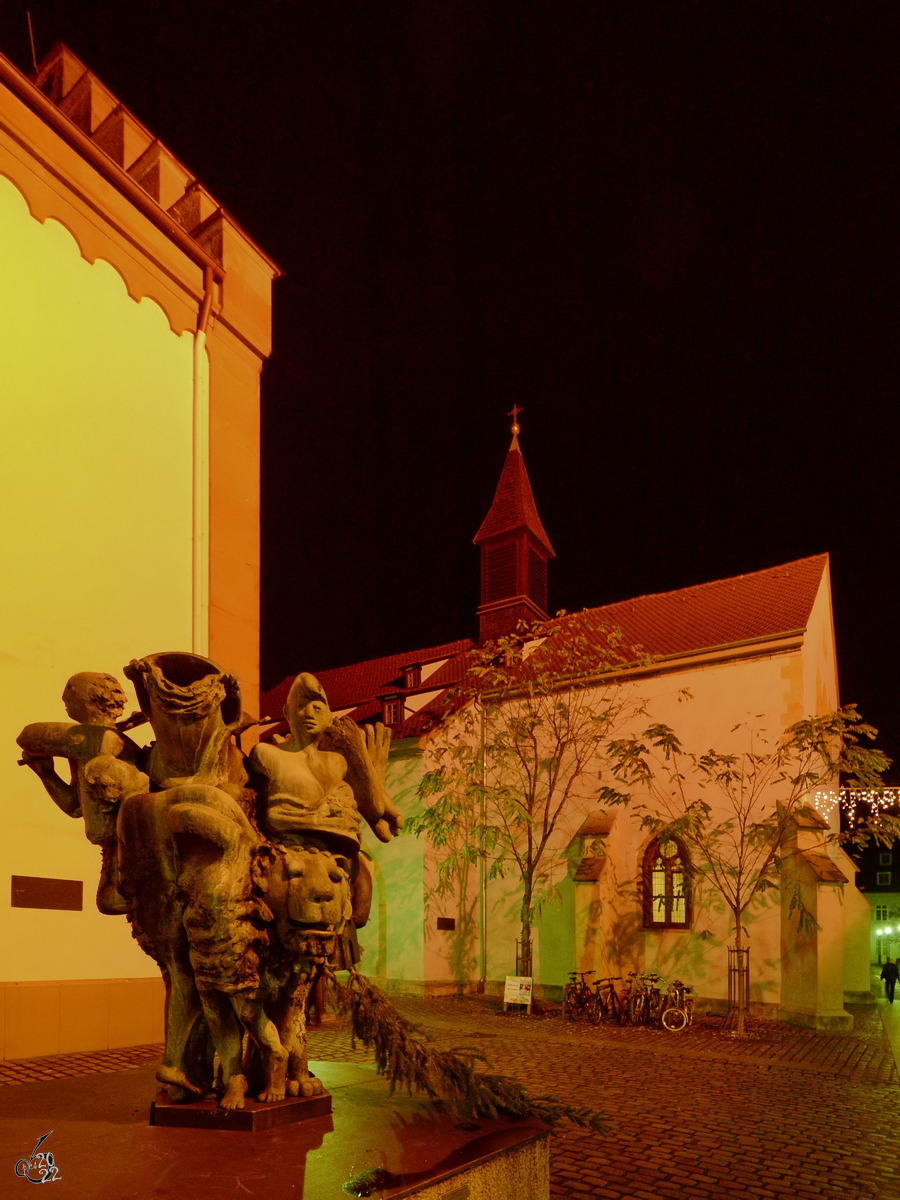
(666, 885)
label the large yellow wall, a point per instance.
(96, 479)
(130, 493)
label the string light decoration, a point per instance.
(876, 800)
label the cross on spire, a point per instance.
(514, 413)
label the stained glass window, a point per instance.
(666, 885)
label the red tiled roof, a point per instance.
(513, 507)
(762, 604)
(360, 683)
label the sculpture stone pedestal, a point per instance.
(105, 1148)
(253, 1117)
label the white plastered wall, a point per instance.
(845, 936)
(749, 694)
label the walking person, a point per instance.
(889, 973)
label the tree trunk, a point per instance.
(739, 945)
(524, 964)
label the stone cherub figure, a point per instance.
(104, 767)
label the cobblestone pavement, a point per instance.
(59, 1066)
(691, 1116)
(695, 1115)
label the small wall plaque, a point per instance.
(31, 891)
(446, 923)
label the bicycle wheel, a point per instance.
(637, 1009)
(594, 1008)
(615, 1008)
(674, 1019)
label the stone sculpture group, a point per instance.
(242, 878)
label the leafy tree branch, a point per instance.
(737, 812)
(520, 739)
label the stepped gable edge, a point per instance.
(128, 153)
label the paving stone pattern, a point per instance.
(58, 1066)
(697, 1115)
(691, 1116)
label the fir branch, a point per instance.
(405, 1057)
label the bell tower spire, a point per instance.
(514, 550)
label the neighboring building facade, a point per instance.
(755, 649)
(135, 317)
(879, 872)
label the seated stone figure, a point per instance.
(325, 776)
(104, 766)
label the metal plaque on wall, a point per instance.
(31, 891)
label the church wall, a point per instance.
(393, 941)
(814, 959)
(820, 674)
(598, 924)
(98, 308)
(723, 695)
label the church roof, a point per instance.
(742, 608)
(359, 686)
(690, 620)
(513, 507)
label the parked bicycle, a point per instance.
(609, 1000)
(644, 998)
(678, 1007)
(579, 1000)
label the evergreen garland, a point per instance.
(404, 1056)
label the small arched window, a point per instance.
(666, 885)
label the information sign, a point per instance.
(517, 990)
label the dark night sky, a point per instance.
(666, 230)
